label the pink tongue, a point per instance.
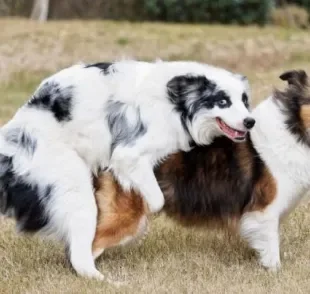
(232, 133)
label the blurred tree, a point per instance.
(15, 7)
(243, 12)
(4, 8)
(302, 3)
(40, 10)
(210, 11)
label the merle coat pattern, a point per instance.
(125, 116)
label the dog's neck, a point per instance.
(147, 88)
(288, 159)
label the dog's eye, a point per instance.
(222, 102)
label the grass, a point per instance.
(172, 259)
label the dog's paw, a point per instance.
(94, 275)
(99, 276)
(270, 263)
(156, 204)
(90, 274)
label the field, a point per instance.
(172, 259)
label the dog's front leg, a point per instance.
(261, 231)
(134, 171)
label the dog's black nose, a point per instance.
(249, 122)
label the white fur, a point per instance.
(143, 85)
(289, 163)
(68, 152)
(72, 209)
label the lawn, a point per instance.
(172, 259)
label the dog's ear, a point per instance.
(241, 77)
(181, 86)
(245, 81)
(295, 77)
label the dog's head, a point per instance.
(295, 101)
(212, 104)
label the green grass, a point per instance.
(172, 259)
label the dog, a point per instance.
(124, 116)
(146, 111)
(249, 186)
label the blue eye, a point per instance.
(222, 102)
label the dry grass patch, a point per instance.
(26, 45)
(172, 259)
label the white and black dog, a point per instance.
(125, 116)
(144, 112)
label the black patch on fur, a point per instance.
(22, 139)
(123, 132)
(293, 99)
(22, 200)
(106, 67)
(208, 182)
(190, 94)
(245, 100)
(52, 97)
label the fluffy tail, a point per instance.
(5, 170)
(14, 143)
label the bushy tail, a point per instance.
(5, 171)
(8, 150)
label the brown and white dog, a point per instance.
(251, 184)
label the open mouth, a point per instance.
(231, 133)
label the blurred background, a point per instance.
(206, 11)
(250, 36)
(258, 38)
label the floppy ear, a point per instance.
(181, 86)
(295, 77)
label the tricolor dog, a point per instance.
(252, 184)
(125, 116)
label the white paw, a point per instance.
(271, 263)
(91, 274)
(94, 275)
(98, 276)
(156, 204)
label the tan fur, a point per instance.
(245, 159)
(265, 192)
(265, 189)
(119, 213)
(305, 115)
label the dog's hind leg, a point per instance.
(72, 209)
(262, 233)
(79, 231)
(80, 249)
(80, 228)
